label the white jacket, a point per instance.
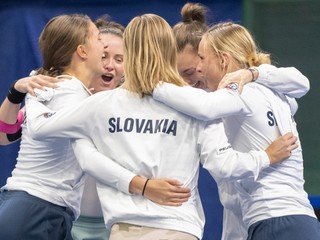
(252, 121)
(149, 139)
(48, 169)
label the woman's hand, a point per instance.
(28, 84)
(281, 148)
(164, 191)
(239, 77)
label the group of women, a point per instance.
(132, 154)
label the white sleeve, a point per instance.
(100, 167)
(68, 122)
(199, 103)
(289, 81)
(222, 161)
(293, 105)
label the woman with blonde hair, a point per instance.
(188, 33)
(274, 205)
(154, 140)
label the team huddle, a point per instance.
(118, 120)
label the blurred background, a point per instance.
(288, 29)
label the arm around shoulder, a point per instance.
(287, 80)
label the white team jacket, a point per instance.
(146, 138)
(252, 121)
(48, 168)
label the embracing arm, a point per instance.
(224, 163)
(164, 191)
(208, 106)
(287, 80)
(199, 103)
(11, 105)
(70, 121)
(107, 171)
(11, 117)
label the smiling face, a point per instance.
(187, 61)
(113, 63)
(210, 65)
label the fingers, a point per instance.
(165, 191)
(289, 138)
(293, 146)
(28, 84)
(181, 190)
(173, 182)
(224, 82)
(177, 197)
(175, 201)
(281, 148)
(30, 91)
(240, 87)
(176, 186)
(177, 194)
(291, 141)
(49, 79)
(238, 77)
(41, 81)
(288, 135)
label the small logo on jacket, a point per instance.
(233, 86)
(224, 148)
(48, 114)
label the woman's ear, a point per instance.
(225, 60)
(82, 51)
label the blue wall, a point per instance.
(21, 23)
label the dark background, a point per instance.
(289, 30)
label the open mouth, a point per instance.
(107, 77)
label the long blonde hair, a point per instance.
(149, 54)
(237, 41)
